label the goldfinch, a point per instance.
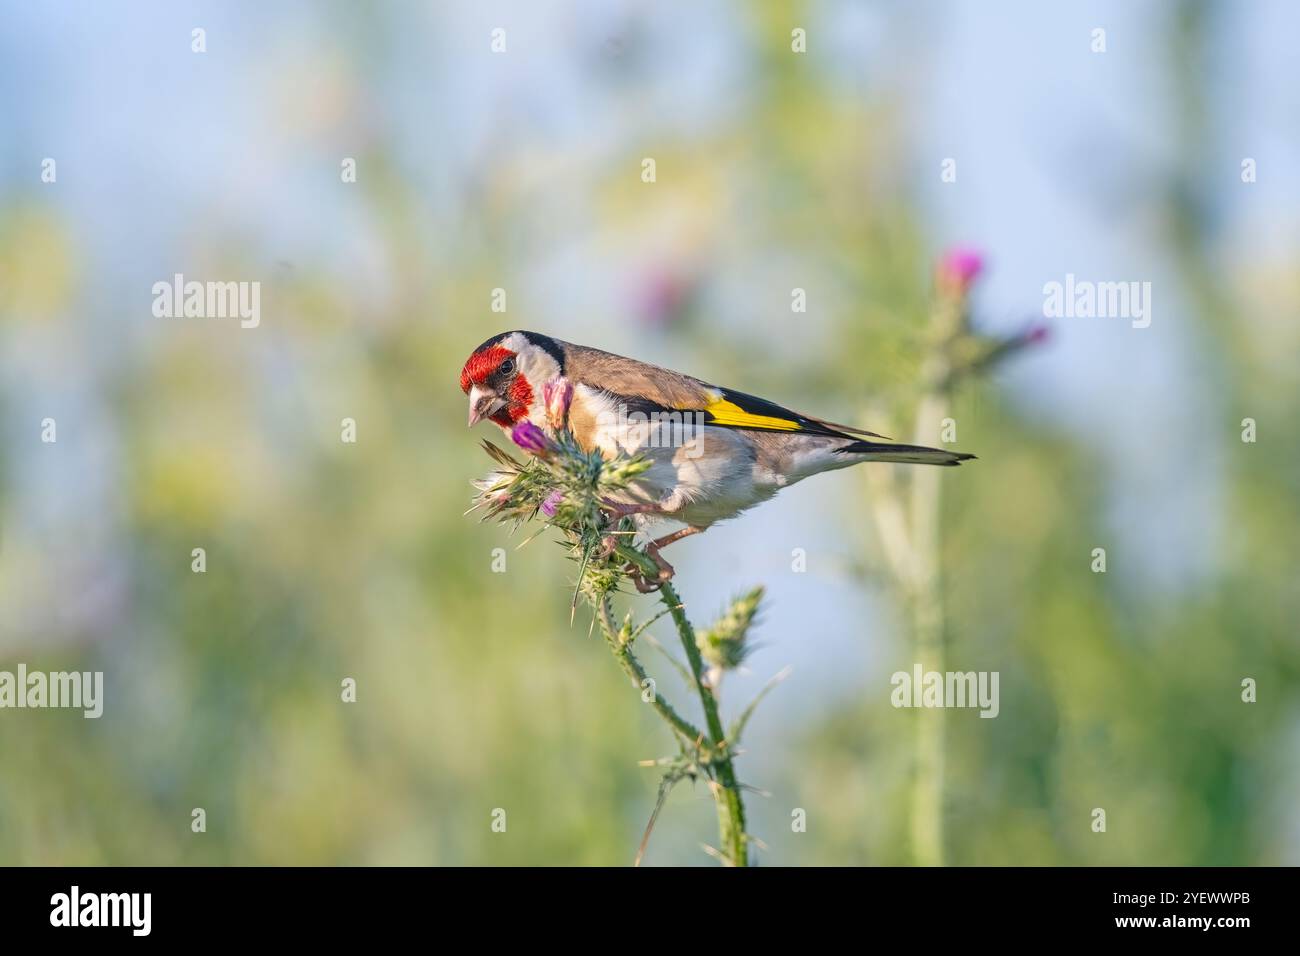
(715, 452)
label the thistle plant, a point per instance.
(907, 520)
(561, 486)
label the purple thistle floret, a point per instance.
(552, 502)
(531, 438)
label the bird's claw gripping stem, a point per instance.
(634, 572)
(666, 571)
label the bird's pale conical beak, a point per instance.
(482, 404)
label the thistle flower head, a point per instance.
(567, 487)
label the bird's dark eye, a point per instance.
(507, 367)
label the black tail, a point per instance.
(908, 454)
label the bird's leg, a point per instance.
(618, 510)
(653, 548)
(664, 508)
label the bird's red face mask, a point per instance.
(496, 388)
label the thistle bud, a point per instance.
(724, 645)
(556, 395)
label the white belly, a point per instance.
(699, 474)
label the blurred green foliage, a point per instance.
(327, 560)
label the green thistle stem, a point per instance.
(632, 667)
(726, 791)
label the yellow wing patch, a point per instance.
(724, 412)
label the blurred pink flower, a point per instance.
(1002, 348)
(1037, 334)
(959, 267)
(664, 296)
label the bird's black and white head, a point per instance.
(504, 376)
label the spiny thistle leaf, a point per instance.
(738, 727)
